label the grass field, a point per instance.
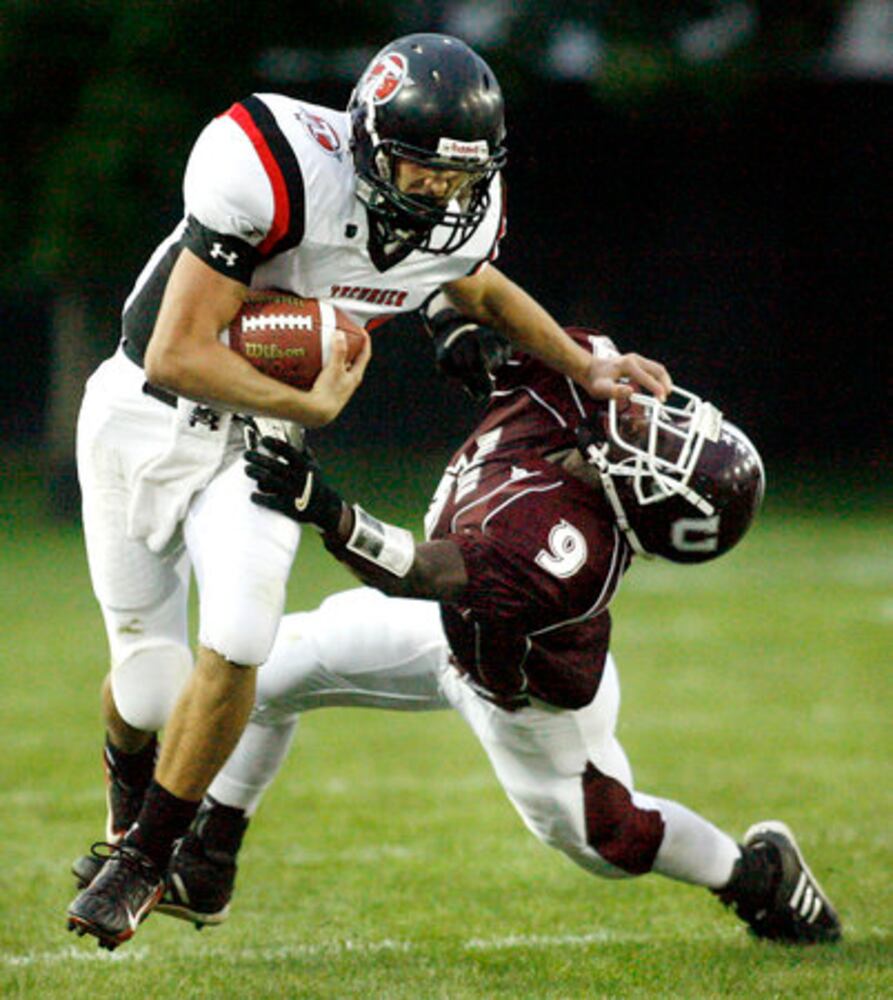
(386, 863)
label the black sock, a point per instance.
(134, 769)
(220, 828)
(163, 818)
(753, 876)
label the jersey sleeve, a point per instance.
(225, 188)
(243, 191)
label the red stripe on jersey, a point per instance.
(281, 206)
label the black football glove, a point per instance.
(466, 351)
(289, 480)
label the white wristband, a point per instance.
(391, 548)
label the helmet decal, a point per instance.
(384, 79)
(695, 534)
(456, 149)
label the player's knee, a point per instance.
(557, 825)
(146, 681)
(244, 637)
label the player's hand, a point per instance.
(620, 376)
(466, 351)
(337, 382)
(289, 481)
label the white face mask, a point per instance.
(654, 446)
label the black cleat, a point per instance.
(774, 892)
(198, 885)
(123, 803)
(119, 899)
(86, 868)
(202, 871)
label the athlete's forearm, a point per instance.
(186, 356)
(493, 299)
(378, 554)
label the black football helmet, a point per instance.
(684, 483)
(429, 99)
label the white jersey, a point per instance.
(270, 199)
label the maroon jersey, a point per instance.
(541, 548)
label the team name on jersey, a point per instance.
(376, 296)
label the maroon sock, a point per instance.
(163, 818)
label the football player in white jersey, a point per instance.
(375, 209)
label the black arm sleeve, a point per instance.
(229, 255)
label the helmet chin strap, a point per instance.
(598, 458)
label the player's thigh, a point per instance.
(544, 739)
(115, 436)
(359, 648)
(597, 723)
(540, 753)
(242, 555)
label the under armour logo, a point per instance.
(228, 258)
(204, 415)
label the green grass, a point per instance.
(386, 863)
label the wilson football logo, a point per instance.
(272, 351)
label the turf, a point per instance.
(386, 863)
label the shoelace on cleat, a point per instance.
(130, 857)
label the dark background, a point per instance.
(732, 221)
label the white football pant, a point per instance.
(163, 495)
(361, 648)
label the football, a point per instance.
(290, 338)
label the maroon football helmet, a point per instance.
(684, 483)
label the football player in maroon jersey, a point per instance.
(528, 535)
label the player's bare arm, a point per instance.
(494, 300)
(381, 555)
(186, 356)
